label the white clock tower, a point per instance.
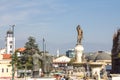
(10, 41)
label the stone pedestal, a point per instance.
(41, 79)
(78, 53)
(96, 70)
(96, 67)
(115, 76)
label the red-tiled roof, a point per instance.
(21, 49)
(6, 56)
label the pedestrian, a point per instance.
(62, 78)
(95, 76)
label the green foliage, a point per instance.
(27, 54)
(26, 58)
(15, 59)
(24, 61)
(15, 62)
(31, 44)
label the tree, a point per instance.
(31, 44)
(15, 62)
(25, 60)
(27, 54)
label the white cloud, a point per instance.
(15, 12)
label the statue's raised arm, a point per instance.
(80, 34)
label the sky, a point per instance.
(56, 22)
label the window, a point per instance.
(10, 51)
(2, 70)
(11, 42)
(7, 70)
(10, 46)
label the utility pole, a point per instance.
(43, 46)
(13, 48)
(43, 49)
(44, 58)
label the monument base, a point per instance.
(42, 79)
(35, 74)
(115, 76)
(78, 53)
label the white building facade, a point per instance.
(5, 67)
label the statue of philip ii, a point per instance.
(80, 34)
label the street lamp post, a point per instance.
(43, 49)
(13, 52)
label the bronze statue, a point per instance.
(46, 62)
(36, 58)
(80, 34)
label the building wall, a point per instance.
(5, 68)
(2, 51)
